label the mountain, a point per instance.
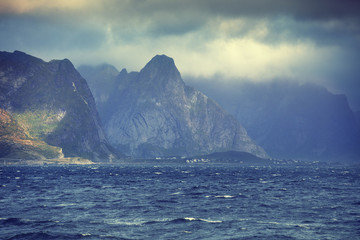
(103, 89)
(290, 120)
(48, 105)
(153, 113)
(357, 116)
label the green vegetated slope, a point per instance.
(51, 104)
(17, 142)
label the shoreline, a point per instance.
(54, 161)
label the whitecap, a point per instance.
(176, 193)
(157, 173)
(65, 204)
(210, 221)
(202, 220)
(224, 196)
(276, 223)
(124, 222)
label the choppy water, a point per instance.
(179, 202)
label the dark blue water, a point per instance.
(179, 202)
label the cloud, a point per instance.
(233, 39)
(27, 6)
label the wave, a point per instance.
(60, 236)
(23, 222)
(299, 225)
(47, 235)
(166, 201)
(13, 221)
(125, 223)
(34, 235)
(224, 196)
(190, 219)
(65, 204)
(160, 221)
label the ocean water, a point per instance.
(179, 202)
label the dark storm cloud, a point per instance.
(34, 32)
(286, 18)
(329, 22)
(304, 9)
(317, 40)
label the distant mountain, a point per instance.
(357, 116)
(293, 121)
(153, 113)
(47, 111)
(102, 81)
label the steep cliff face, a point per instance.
(156, 114)
(52, 103)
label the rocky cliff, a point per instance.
(50, 102)
(153, 113)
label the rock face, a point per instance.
(52, 103)
(294, 121)
(153, 113)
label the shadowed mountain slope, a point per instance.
(51, 103)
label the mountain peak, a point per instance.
(160, 69)
(162, 59)
(161, 62)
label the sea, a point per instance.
(179, 201)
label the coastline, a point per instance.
(54, 161)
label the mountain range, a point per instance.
(49, 111)
(292, 120)
(153, 113)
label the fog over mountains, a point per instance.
(291, 120)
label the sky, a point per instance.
(227, 41)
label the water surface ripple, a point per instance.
(179, 202)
